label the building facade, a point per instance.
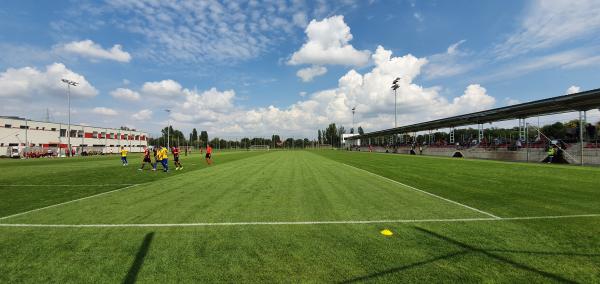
(28, 135)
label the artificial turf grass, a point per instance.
(496, 251)
(279, 186)
(501, 188)
(82, 171)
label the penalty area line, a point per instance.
(400, 221)
(424, 192)
(67, 202)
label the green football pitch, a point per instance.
(298, 216)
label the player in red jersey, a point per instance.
(175, 152)
(208, 155)
(146, 159)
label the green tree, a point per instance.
(194, 137)
(555, 131)
(203, 138)
(331, 135)
(360, 130)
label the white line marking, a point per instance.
(65, 185)
(425, 192)
(299, 222)
(67, 202)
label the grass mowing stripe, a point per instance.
(15, 199)
(301, 222)
(67, 202)
(63, 185)
(425, 192)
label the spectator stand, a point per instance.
(520, 148)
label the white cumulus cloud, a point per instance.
(573, 90)
(217, 112)
(164, 88)
(328, 43)
(30, 82)
(104, 111)
(309, 73)
(125, 94)
(144, 114)
(88, 48)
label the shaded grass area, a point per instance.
(85, 176)
(501, 188)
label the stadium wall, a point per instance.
(591, 156)
(28, 134)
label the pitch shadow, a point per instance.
(405, 267)
(471, 249)
(139, 259)
(497, 257)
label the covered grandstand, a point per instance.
(396, 139)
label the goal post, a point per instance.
(259, 148)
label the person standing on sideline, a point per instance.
(124, 156)
(551, 152)
(208, 156)
(420, 149)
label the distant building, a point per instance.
(25, 135)
(350, 143)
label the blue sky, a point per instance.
(246, 68)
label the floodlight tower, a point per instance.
(353, 111)
(168, 128)
(69, 84)
(395, 87)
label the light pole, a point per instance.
(395, 87)
(69, 84)
(168, 128)
(353, 110)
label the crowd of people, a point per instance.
(161, 156)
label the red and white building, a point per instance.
(23, 134)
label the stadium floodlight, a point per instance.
(353, 111)
(168, 128)
(395, 87)
(69, 84)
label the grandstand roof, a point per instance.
(582, 101)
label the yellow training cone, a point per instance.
(386, 232)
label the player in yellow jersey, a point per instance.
(164, 158)
(124, 156)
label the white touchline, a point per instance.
(300, 222)
(423, 191)
(67, 202)
(65, 185)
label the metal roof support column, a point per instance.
(430, 137)
(522, 129)
(581, 122)
(480, 130)
(527, 140)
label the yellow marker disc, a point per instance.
(386, 232)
